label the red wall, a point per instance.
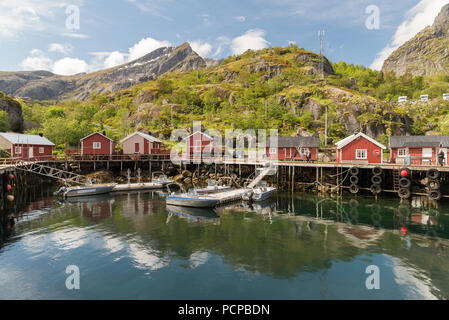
(87, 145)
(347, 153)
(48, 151)
(288, 153)
(413, 152)
(205, 143)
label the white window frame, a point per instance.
(96, 145)
(18, 150)
(273, 151)
(361, 156)
(402, 152)
(304, 150)
(41, 149)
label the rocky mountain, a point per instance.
(43, 85)
(14, 111)
(425, 54)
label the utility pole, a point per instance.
(321, 34)
(325, 131)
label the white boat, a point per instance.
(192, 199)
(160, 177)
(259, 193)
(87, 190)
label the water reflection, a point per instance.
(300, 246)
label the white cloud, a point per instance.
(61, 48)
(240, 18)
(20, 16)
(202, 48)
(252, 39)
(417, 18)
(70, 66)
(36, 61)
(75, 35)
(146, 46)
(114, 59)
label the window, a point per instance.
(97, 145)
(361, 154)
(303, 150)
(18, 150)
(273, 150)
(41, 150)
(402, 152)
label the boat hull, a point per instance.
(88, 191)
(263, 196)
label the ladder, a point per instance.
(51, 172)
(266, 171)
(396, 178)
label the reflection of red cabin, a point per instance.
(26, 146)
(141, 143)
(199, 142)
(359, 148)
(423, 150)
(293, 148)
(97, 143)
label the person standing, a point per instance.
(441, 158)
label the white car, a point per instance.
(446, 96)
(424, 98)
(402, 99)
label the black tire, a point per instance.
(377, 171)
(354, 179)
(376, 189)
(354, 171)
(376, 180)
(435, 195)
(404, 193)
(433, 174)
(433, 185)
(405, 183)
(354, 189)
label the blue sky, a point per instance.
(34, 34)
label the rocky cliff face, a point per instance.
(427, 53)
(14, 111)
(42, 85)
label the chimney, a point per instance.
(41, 134)
(104, 133)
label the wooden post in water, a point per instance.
(293, 180)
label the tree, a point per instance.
(4, 121)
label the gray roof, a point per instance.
(17, 138)
(293, 142)
(419, 141)
(143, 135)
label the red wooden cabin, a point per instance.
(141, 143)
(199, 142)
(97, 144)
(293, 148)
(423, 150)
(26, 146)
(359, 148)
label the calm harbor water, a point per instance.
(303, 246)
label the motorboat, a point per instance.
(192, 199)
(259, 193)
(160, 177)
(137, 186)
(86, 190)
(213, 187)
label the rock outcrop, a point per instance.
(14, 111)
(43, 85)
(425, 54)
